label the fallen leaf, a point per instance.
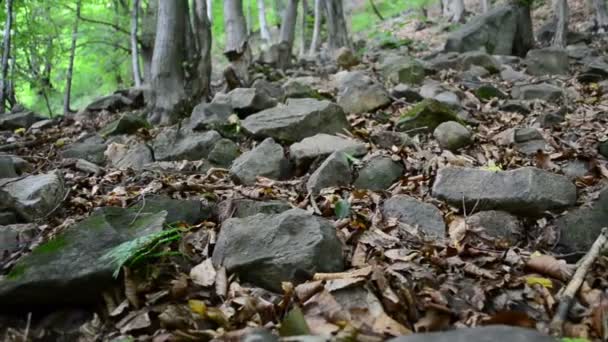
(363, 272)
(198, 306)
(513, 318)
(550, 266)
(544, 282)
(294, 324)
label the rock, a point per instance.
(191, 212)
(135, 156)
(541, 91)
(402, 69)
(487, 92)
(88, 167)
(207, 116)
(177, 143)
(305, 152)
(126, 124)
(388, 139)
(577, 168)
(90, 148)
(111, 103)
(224, 152)
(452, 135)
(426, 217)
(497, 225)
(529, 140)
(481, 59)
(527, 191)
(271, 89)
(551, 119)
(44, 124)
(247, 101)
(345, 58)
(515, 106)
(594, 71)
(404, 91)
(243, 207)
(269, 249)
(546, 32)
(7, 167)
(69, 269)
(579, 228)
(333, 172)
(500, 31)
(357, 93)
(33, 197)
(475, 72)
(426, 116)
(299, 119)
(378, 174)
(182, 166)
(266, 160)
(510, 75)
(580, 51)
(449, 98)
(300, 88)
(603, 149)
(492, 333)
(548, 61)
(7, 218)
(13, 121)
(15, 236)
(430, 89)
(259, 335)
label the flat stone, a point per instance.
(358, 93)
(271, 89)
(88, 167)
(497, 224)
(13, 121)
(542, 91)
(299, 119)
(426, 217)
(480, 59)
(266, 160)
(448, 98)
(16, 236)
(333, 172)
(494, 333)
(244, 207)
(126, 124)
(547, 61)
(529, 140)
(303, 153)
(388, 139)
(515, 106)
(122, 156)
(527, 190)
(579, 228)
(510, 75)
(426, 116)
(452, 135)
(378, 174)
(247, 101)
(577, 168)
(90, 148)
(488, 92)
(269, 249)
(33, 197)
(176, 143)
(111, 103)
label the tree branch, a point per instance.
(103, 42)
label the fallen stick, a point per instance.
(567, 296)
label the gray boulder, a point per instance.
(579, 228)
(244, 207)
(528, 190)
(358, 93)
(452, 135)
(224, 152)
(542, 91)
(497, 224)
(69, 269)
(246, 101)
(402, 69)
(89, 148)
(266, 160)
(345, 58)
(529, 140)
(426, 116)
(111, 103)
(388, 139)
(207, 116)
(33, 197)
(12, 121)
(305, 152)
(176, 143)
(510, 75)
(493, 333)
(269, 249)
(134, 156)
(406, 92)
(271, 89)
(15, 236)
(547, 61)
(7, 167)
(426, 217)
(333, 172)
(127, 124)
(488, 92)
(299, 119)
(184, 211)
(480, 59)
(515, 106)
(301, 87)
(379, 173)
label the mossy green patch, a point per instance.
(16, 272)
(488, 92)
(51, 245)
(426, 116)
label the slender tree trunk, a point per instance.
(237, 48)
(601, 15)
(210, 11)
(524, 37)
(249, 18)
(6, 50)
(264, 32)
(167, 72)
(148, 35)
(303, 19)
(561, 30)
(202, 32)
(68, 85)
(376, 11)
(455, 10)
(278, 8)
(316, 33)
(336, 23)
(134, 44)
(288, 32)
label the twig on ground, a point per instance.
(27, 326)
(143, 205)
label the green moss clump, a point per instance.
(16, 272)
(51, 246)
(426, 116)
(488, 92)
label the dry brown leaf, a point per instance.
(513, 318)
(433, 320)
(362, 272)
(550, 266)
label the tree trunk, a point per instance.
(202, 33)
(288, 32)
(249, 18)
(6, 50)
(560, 8)
(278, 9)
(264, 32)
(454, 10)
(303, 44)
(167, 74)
(316, 33)
(237, 49)
(376, 11)
(524, 37)
(134, 45)
(210, 11)
(485, 6)
(68, 85)
(601, 15)
(148, 36)
(336, 24)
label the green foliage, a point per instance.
(294, 324)
(566, 339)
(386, 40)
(134, 252)
(342, 209)
(51, 245)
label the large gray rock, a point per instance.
(426, 116)
(402, 69)
(184, 211)
(266, 160)
(271, 89)
(542, 91)
(494, 333)
(224, 152)
(452, 135)
(246, 101)
(527, 190)
(134, 156)
(32, 197)
(12, 121)
(244, 207)
(529, 140)
(269, 249)
(207, 116)
(499, 225)
(501, 31)
(301, 87)
(299, 119)
(595, 71)
(379, 173)
(111, 103)
(176, 143)
(358, 93)
(89, 148)
(426, 217)
(69, 269)
(334, 171)
(547, 61)
(580, 228)
(303, 153)
(464, 61)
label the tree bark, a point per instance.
(148, 36)
(264, 32)
(601, 15)
(202, 33)
(237, 49)
(167, 73)
(561, 10)
(485, 6)
(524, 37)
(336, 23)
(288, 32)
(303, 42)
(454, 10)
(210, 11)
(316, 33)
(134, 45)
(6, 50)
(249, 18)
(376, 11)
(68, 85)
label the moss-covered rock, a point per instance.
(426, 116)
(488, 92)
(127, 124)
